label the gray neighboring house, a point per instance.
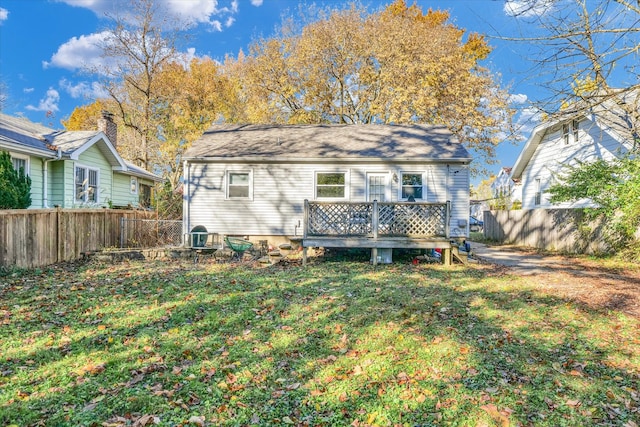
(253, 181)
(75, 169)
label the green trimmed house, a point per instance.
(75, 169)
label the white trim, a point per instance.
(347, 186)
(27, 159)
(424, 184)
(133, 186)
(387, 185)
(227, 176)
(86, 186)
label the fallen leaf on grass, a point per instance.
(199, 421)
(146, 420)
(497, 415)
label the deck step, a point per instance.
(459, 255)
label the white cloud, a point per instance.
(192, 12)
(230, 21)
(528, 119)
(48, 104)
(256, 2)
(527, 8)
(4, 15)
(79, 52)
(28, 89)
(84, 90)
(518, 98)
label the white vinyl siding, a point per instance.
(552, 154)
(279, 191)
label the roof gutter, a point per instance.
(258, 159)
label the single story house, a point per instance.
(369, 186)
(75, 169)
(602, 134)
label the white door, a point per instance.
(378, 187)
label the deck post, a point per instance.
(375, 216)
(375, 219)
(305, 230)
(447, 219)
(305, 219)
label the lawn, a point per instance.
(336, 343)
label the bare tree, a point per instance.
(587, 56)
(137, 47)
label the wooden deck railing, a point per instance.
(373, 219)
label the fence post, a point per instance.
(305, 229)
(121, 232)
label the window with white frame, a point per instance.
(412, 185)
(134, 185)
(331, 185)
(20, 162)
(86, 184)
(239, 185)
(575, 127)
(538, 193)
(565, 133)
(571, 131)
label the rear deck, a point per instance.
(402, 225)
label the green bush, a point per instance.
(16, 185)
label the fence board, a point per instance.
(38, 237)
(550, 229)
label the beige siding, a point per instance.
(279, 191)
(552, 155)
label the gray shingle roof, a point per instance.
(21, 133)
(309, 142)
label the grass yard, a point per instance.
(333, 344)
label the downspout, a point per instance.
(45, 178)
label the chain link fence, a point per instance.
(150, 233)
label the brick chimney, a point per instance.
(108, 127)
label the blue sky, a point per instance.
(43, 43)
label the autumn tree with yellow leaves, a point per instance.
(396, 66)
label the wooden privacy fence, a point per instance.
(39, 237)
(563, 230)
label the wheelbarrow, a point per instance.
(238, 245)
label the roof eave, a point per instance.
(258, 159)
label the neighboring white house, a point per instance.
(556, 144)
(503, 187)
(253, 180)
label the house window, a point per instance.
(238, 185)
(86, 185)
(538, 194)
(20, 162)
(570, 131)
(145, 196)
(575, 126)
(134, 185)
(331, 185)
(412, 185)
